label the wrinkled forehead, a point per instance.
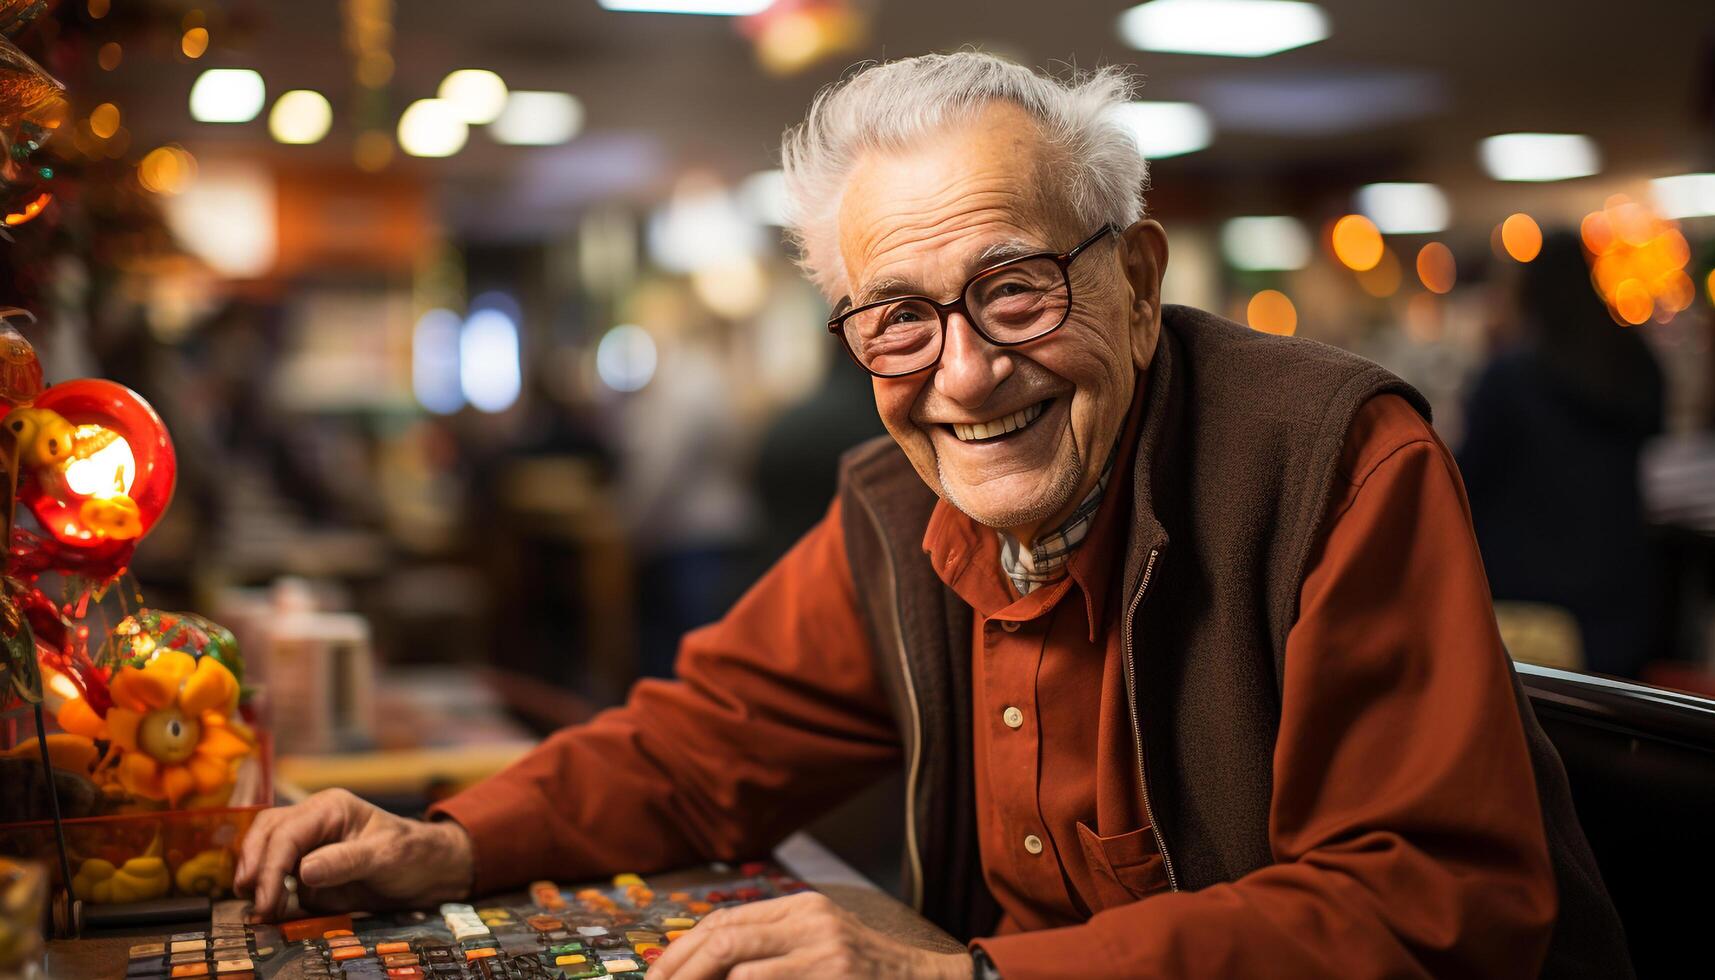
(921, 215)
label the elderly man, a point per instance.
(1178, 630)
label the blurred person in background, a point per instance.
(1178, 629)
(798, 460)
(684, 454)
(1554, 427)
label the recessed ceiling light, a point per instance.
(1404, 209)
(1685, 195)
(1539, 156)
(227, 95)
(718, 8)
(1165, 129)
(1236, 28)
(1265, 243)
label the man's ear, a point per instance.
(1145, 258)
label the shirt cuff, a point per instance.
(1044, 953)
(506, 834)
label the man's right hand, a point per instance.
(349, 854)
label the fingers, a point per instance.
(340, 863)
(748, 933)
(293, 832)
(341, 898)
(250, 853)
(723, 949)
(804, 963)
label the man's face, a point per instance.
(922, 222)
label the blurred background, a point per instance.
(490, 375)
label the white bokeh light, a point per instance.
(227, 95)
(1165, 129)
(300, 117)
(477, 94)
(490, 373)
(625, 358)
(432, 128)
(538, 119)
(435, 362)
(1404, 209)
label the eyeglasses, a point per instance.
(1011, 303)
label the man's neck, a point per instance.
(1047, 555)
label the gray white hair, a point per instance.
(886, 106)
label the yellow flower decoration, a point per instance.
(172, 718)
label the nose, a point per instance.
(971, 367)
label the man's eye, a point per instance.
(903, 316)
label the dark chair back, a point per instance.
(1641, 762)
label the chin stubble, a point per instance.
(1058, 495)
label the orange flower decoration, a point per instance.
(172, 718)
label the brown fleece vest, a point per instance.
(1238, 450)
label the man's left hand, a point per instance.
(804, 935)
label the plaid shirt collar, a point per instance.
(1045, 561)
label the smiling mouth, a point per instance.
(1000, 428)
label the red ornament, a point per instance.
(117, 480)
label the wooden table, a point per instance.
(97, 957)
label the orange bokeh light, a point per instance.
(1632, 301)
(1638, 261)
(1633, 223)
(1521, 237)
(1270, 311)
(1597, 233)
(104, 120)
(1436, 269)
(195, 42)
(1357, 243)
(1674, 291)
(166, 169)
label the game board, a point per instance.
(549, 933)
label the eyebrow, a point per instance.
(994, 254)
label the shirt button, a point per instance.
(1033, 843)
(1013, 717)
(1010, 626)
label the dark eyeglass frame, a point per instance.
(837, 322)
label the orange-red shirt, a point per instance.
(1056, 823)
(1403, 818)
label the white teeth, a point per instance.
(998, 427)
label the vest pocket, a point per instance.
(1124, 867)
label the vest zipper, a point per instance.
(1136, 730)
(913, 855)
